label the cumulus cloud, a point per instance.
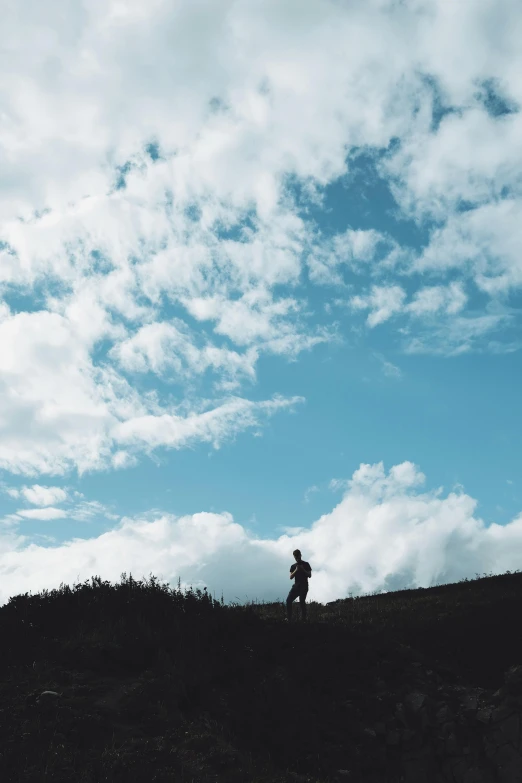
(39, 495)
(387, 301)
(470, 159)
(386, 533)
(435, 321)
(432, 300)
(485, 240)
(353, 248)
(383, 301)
(57, 405)
(61, 410)
(256, 319)
(169, 349)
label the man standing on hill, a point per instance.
(302, 572)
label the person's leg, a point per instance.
(302, 601)
(292, 595)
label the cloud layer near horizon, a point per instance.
(386, 533)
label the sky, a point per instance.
(260, 289)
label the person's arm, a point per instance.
(298, 566)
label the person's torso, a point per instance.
(300, 577)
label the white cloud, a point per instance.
(434, 299)
(389, 369)
(254, 318)
(56, 406)
(457, 335)
(470, 158)
(354, 248)
(60, 411)
(309, 492)
(76, 507)
(387, 301)
(383, 301)
(209, 426)
(42, 496)
(90, 509)
(338, 484)
(42, 513)
(385, 533)
(436, 323)
(485, 240)
(169, 349)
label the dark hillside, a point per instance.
(152, 684)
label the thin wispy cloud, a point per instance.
(389, 369)
(42, 513)
(309, 492)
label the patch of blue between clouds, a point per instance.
(495, 103)
(23, 299)
(152, 152)
(356, 199)
(238, 231)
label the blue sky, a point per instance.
(260, 288)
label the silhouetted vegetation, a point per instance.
(159, 684)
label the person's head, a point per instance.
(297, 554)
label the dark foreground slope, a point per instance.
(154, 685)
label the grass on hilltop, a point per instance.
(160, 684)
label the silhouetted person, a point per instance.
(301, 571)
